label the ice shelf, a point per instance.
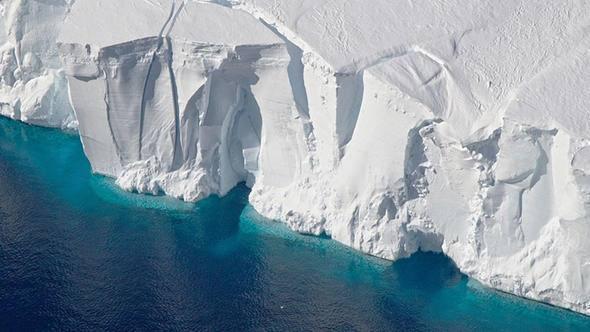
(457, 126)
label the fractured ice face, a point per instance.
(454, 126)
(32, 86)
(186, 98)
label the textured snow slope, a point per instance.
(458, 126)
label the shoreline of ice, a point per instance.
(453, 127)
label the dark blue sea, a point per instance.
(78, 254)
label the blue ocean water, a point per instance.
(78, 254)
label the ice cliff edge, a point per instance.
(453, 126)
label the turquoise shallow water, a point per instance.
(77, 254)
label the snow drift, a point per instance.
(453, 126)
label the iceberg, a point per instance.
(453, 126)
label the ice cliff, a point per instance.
(33, 87)
(392, 126)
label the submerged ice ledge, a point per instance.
(452, 126)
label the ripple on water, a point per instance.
(77, 253)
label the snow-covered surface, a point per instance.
(457, 126)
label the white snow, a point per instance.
(457, 126)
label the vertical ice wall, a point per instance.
(32, 85)
(472, 116)
(454, 126)
(178, 106)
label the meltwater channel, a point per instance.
(76, 253)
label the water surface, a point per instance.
(77, 254)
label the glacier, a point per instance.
(455, 126)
